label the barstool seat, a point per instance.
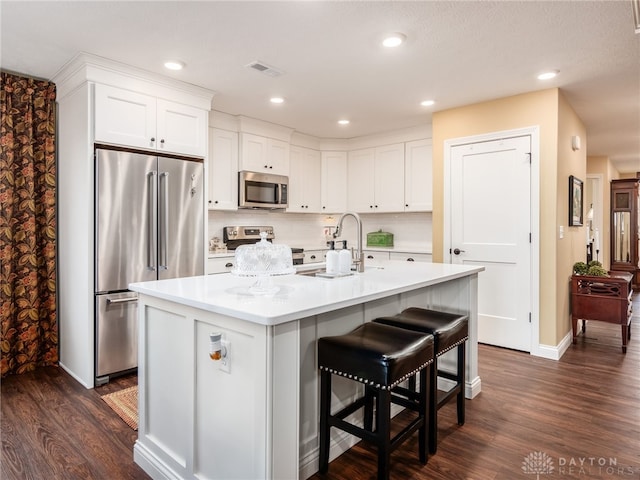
(380, 357)
(449, 331)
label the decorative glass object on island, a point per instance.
(263, 260)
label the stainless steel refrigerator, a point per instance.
(149, 226)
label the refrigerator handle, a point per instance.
(152, 250)
(163, 234)
(122, 300)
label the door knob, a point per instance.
(457, 251)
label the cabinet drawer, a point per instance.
(410, 257)
(220, 265)
(314, 256)
(373, 258)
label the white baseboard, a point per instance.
(554, 352)
(152, 464)
(78, 379)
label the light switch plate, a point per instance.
(561, 231)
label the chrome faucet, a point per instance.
(360, 260)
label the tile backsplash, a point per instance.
(411, 230)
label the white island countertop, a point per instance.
(299, 296)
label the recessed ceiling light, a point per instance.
(343, 122)
(427, 103)
(548, 75)
(174, 65)
(394, 40)
(277, 100)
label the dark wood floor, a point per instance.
(585, 407)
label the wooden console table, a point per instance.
(605, 299)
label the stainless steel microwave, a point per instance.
(262, 190)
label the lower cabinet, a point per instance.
(314, 256)
(375, 258)
(410, 257)
(219, 265)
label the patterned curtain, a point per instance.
(27, 224)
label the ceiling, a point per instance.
(456, 53)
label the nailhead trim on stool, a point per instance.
(380, 357)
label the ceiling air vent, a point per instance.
(264, 68)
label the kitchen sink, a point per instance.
(322, 272)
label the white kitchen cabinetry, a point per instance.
(376, 179)
(314, 256)
(373, 258)
(220, 265)
(124, 117)
(410, 257)
(305, 171)
(334, 182)
(418, 183)
(100, 101)
(262, 154)
(223, 170)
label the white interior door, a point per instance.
(491, 226)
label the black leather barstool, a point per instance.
(380, 357)
(449, 331)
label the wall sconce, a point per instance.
(219, 351)
(575, 143)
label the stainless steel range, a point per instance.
(242, 235)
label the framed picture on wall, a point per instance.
(575, 201)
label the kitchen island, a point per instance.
(254, 414)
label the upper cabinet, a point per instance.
(128, 118)
(262, 154)
(223, 170)
(305, 172)
(376, 179)
(333, 183)
(418, 177)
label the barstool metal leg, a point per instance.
(462, 381)
(433, 407)
(370, 395)
(383, 430)
(423, 433)
(325, 428)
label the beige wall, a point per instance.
(573, 248)
(545, 109)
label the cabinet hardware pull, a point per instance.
(410, 259)
(153, 139)
(229, 265)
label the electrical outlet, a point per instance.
(225, 361)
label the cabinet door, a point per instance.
(278, 157)
(361, 177)
(389, 178)
(418, 183)
(181, 129)
(253, 153)
(304, 180)
(334, 182)
(123, 117)
(223, 170)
